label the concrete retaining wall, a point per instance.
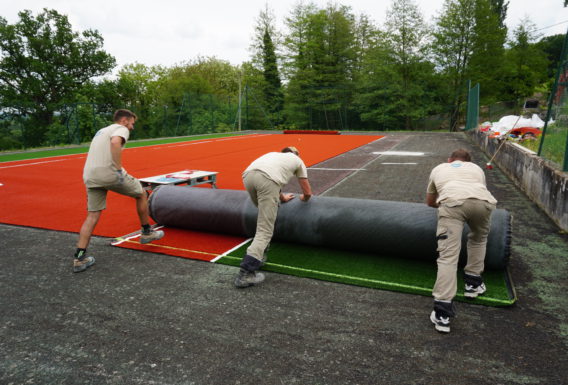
(542, 182)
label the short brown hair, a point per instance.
(291, 149)
(122, 113)
(461, 154)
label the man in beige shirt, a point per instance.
(263, 180)
(103, 172)
(458, 190)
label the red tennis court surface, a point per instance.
(49, 193)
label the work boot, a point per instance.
(81, 264)
(153, 235)
(247, 278)
(474, 285)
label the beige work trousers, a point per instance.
(451, 218)
(265, 194)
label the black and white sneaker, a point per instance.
(474, 285)
(442, 324)
(472, 291)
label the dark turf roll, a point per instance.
(384, 227)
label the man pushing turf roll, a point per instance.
(103, 172)
(263, 180)
(458, 190)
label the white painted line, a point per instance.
(34, 163)
(122, 240)
(243, 137)
(1, 184)
(336, 169)
(191, 143)
(228, 251)
(400, 163)
(399, 153)
(186, 144)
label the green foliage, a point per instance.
(43, 62)
(329, 69)
(526, 63)
(320, 62)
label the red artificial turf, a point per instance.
(314, 132)
(186, 244)
(49, 192)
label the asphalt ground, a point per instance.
(142, 318)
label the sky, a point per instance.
(169, 32)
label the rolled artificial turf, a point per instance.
(370, 270)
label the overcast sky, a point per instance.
(167, 32)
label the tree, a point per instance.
(406, 35)
(552, 47)
(265, 59)
(453, 45)
(487, 58)
(321, 60)
(500, 7)
(43, 62)
(526, 62)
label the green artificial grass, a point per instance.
(46, 153)
(369, 270)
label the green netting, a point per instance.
(370, 270)
(554, 139)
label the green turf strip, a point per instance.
(46, 153)
(369, 270)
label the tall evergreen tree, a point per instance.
(320, 63)
(273, 85)
(265, 60)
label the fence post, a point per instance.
(472, 116)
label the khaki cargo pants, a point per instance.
(265, 194)
(451, 218)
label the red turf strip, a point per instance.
(187, 244)
(311, 132)
(49, 193)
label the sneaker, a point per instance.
(472, 291)
(82, 264)
(153, 236)
(248, 278)
(442, 324)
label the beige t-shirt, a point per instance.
(457, 181)
(279, 167)
(100, 169)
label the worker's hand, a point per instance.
(121, 173)
(305, 197)
(286, 197)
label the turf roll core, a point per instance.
(387, 228)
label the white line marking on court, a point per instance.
(169, 145)
(228, 251)
(400, 163)
(186, 144)
(399, 153)
(337, 169)
(1, 184)
(31, 164)
(243, 137)
(122, 240)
